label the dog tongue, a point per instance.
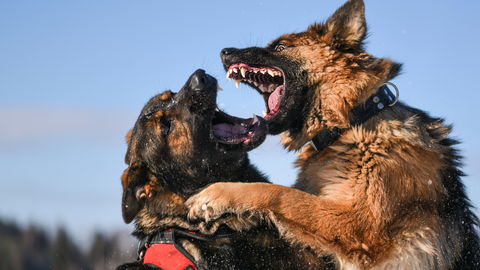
(275, 98)
(226, 130)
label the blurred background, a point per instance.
(74, 76)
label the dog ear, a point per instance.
(348, 22)
(128, 138)
(133, 200)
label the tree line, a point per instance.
(32, 248)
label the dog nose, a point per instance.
(226, 52)
(199, 79)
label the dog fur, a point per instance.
(387, 194)
(173, 151)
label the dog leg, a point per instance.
(300, 217)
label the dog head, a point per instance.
(181, 141)
(312, 80)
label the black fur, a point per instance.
(155, 160)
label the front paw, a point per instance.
(212, 202)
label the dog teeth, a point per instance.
(270, 72)
(237, 83)
(264, 113)
(255, 119)
(219, 88)
(235, 70)
(271, 88)
(243, 71)
(263, 87)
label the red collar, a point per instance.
(169, 257)
(162, 250)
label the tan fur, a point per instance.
(337, 95)
(376, 210)
(179, 142)
(382, 196)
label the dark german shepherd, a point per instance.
(379, 184)
(181, 143)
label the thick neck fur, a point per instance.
(336, 97)
(399, 159)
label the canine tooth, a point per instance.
(270, 73)
(228, 73)
(264, 113)
(255, 119)
(230, 78)
(237, 83)
(243, 71)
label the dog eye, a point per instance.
(167, 126)
(280, 47)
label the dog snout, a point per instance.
(199, 80)
(227, 51)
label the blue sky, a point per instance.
(74, 76)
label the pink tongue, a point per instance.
(226, 130)
(275, 98)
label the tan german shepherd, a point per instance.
(379, 184)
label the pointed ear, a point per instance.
(348, 22)
(133, 200)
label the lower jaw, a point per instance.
(272, 113)
(243, 141)
(268, 116)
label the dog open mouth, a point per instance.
(269, 82)
(228, 129)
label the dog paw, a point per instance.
(211, 203)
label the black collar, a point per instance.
(373, 105)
